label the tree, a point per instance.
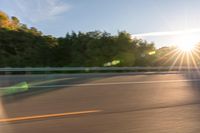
(21, 46)
(4, 20)
(15, 22)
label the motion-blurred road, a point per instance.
(103, 103)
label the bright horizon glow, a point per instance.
(187, 42)
(167, 33)
(186, 48)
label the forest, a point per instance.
(23, 46)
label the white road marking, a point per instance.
(118, 83)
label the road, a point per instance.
(103, 103)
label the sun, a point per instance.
(186, 47)
(187, 43)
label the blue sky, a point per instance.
(158, 18)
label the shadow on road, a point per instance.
(47, 83)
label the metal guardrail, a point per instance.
(46, 69)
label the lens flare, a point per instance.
(186, 48)
(187, 43)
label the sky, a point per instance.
(164, 22)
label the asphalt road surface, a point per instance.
(103, 103)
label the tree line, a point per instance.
(21, 46)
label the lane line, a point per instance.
(47, 81)
(118, 83)
(47, 116)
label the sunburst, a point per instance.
(186, 53)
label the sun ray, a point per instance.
(196, 56)
(172, 56)
(182, 59)
(188, 62)
(193, 61)
(175, 61)
(167, 54)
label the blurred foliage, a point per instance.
(21, 46)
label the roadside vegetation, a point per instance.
(23, 46)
